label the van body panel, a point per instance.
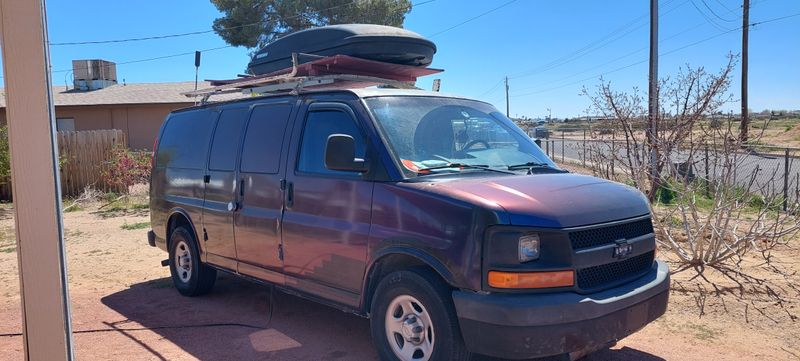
(447, 229)
(546, 200)
(176, 184)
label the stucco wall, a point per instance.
(140, 122)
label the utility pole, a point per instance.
(745, 124)
(507, 112)
(652, 116)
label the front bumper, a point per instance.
(520, 326)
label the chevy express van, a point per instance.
(434, 216)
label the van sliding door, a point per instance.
(257, 222)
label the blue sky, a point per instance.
(534, 42)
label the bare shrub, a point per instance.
(704, 222)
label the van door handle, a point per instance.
(207, 178)
(290, 195)
(241, 188)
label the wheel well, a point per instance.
(389, 264)
(178, 220)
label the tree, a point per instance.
(255, 23)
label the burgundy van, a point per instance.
(434, 216)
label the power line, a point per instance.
(570, 57)
(155, 58)
(595, 45)
(491, 89)
(134, 39)
(167, 36)
(708, 19)
(715, 13)
(472, 18)
(617, 58)
(661, 54)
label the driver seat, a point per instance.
(434, 134)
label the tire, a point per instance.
(422, 324)
(190, 276)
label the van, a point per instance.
(432, 215)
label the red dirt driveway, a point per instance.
(151, 321)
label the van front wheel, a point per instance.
(413, 319)
(190, 276)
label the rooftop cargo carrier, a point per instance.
(372, 42)
(330, 72)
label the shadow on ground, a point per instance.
(234, 323)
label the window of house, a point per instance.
(65, 124)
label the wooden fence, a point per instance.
(83, 156)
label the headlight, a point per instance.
(528, 247)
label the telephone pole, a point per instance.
(652, 116)
(745, 124)
(507, 112)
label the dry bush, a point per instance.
(704, 222)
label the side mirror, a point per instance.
(538, 142)
(340, 154)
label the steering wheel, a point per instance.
(476, 141)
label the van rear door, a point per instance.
(221, 184)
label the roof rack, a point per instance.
(331, 72)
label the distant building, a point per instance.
(100, 103)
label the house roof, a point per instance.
(136, 93)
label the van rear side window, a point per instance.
(263, 141)
(185, 141)
(226, 139)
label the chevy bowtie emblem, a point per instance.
(622, 248)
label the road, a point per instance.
(770, 168)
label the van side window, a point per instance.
(319, 125)
(226, 139)
(184, 143)
(263, 140)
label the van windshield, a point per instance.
(431, 135)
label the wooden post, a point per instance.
(35, 185)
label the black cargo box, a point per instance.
(373, 42)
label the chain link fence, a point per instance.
(765, 170)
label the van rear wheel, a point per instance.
(413, 319)
(190, 276)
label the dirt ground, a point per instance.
(124, 307)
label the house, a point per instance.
(97, 101)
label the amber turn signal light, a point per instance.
(499, 279)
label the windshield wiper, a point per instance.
(423, 171)
(534, 165)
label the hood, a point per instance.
(547, 200)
